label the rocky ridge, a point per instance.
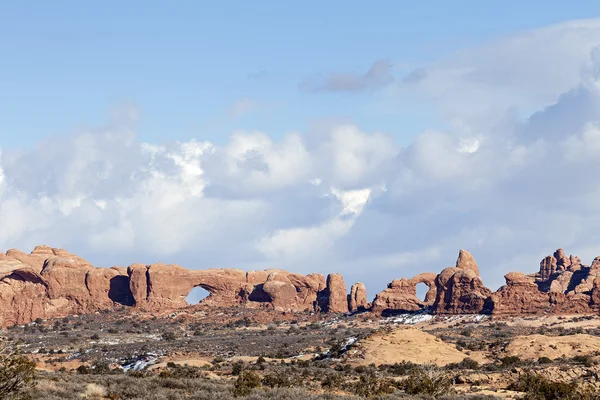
(52, 282)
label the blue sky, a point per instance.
(185, 65)
(332, 136)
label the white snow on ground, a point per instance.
(141, 362)
(407, 319)
(343, 348)
(413, 319)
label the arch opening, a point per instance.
(196, 295)
(422, 290)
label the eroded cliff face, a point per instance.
(562, 285)
(50, 282)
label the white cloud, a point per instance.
(513, 178)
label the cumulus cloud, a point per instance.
(510, 182)
(378, 76)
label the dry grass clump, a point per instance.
(94, 391)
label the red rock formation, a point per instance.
(466, 261)
(401, 294)
(520, 295)
(335, 296)
(548, 267)
(51, 282)
(357, 300)
(460, 291)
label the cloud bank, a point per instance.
(513, 178)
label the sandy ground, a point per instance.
(535, 346)
(406, 344)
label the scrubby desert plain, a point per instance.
(72, 331)
(206, 352)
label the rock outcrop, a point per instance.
(334, 298)
(460, 291)
(357, 299)
(401, 295)
(562, 285)
(51, 282)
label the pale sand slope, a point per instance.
(536, 346)
(405, 344)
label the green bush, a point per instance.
(276, 379)
(428, 380)
(245, 382)
(17, 374)
(467, 363)
(237, 368)
(371, 386)
(536, 387)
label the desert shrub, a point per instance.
(428, 380)
(169, 336)
(400, 369)
(245, 382)
(237, 368)
(17, 374)
(586, 360)
(371, 386)
(101, 368)
(536, 387)
(510, 361)
(466, 363)
(180, 372)
(331, 381)
(83, 370)
(544, 360)
(276, 379)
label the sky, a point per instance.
(372, 140)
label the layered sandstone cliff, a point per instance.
(50, 282)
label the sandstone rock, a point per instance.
(520, 295)
(335, 296)
(548, 267)
(51, 282)
(357, 299)
(561, 283)
(281, 292)
(575, 263)
(462, 293)
(428, 278)
(66, 278)
(466, 261)
(401, 294)
(562, 261)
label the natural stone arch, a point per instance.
(427, 278)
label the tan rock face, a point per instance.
(466, 261)
(52, 282)
(357, 300)
(462, 293)
(335, 296)
(548, 267)
(401, 295)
